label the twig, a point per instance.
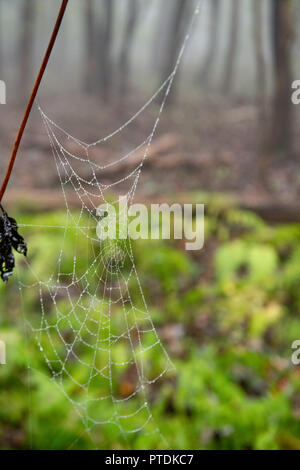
(32, 98)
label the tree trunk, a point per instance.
(124, 61)
(174, 41)
(261, 86)
(279, 140)
(90, 53)
(232, 45)
(210, 57)
(105, 46)
(25, 46)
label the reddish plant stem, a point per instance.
(32, 98)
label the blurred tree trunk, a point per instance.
(175, 35)
(26, 45)
(160, 36)
(124, 60)
(279, 140)
(261, 86)
(213, 42)
(90, 43)
(105, 47)
(232, 45)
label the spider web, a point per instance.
(92, 307)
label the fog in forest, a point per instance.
(25, 28)
(230, 102)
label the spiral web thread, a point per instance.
(95, 312)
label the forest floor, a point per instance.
(214, 146)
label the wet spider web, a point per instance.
(93, 310)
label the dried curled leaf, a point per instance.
(9, 240)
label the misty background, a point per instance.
(230, 103)
(100, 28)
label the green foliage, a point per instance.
(227, 316)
